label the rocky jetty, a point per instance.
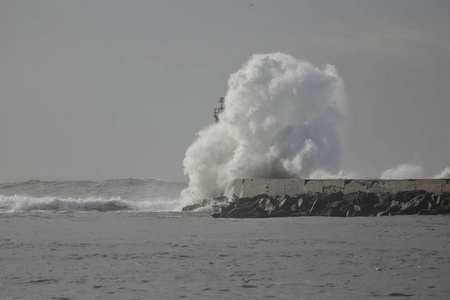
(215, 204)
(332, 205)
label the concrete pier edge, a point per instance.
(294, 186)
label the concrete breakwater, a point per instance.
(294, 186)
(334, 197)
(331, 197)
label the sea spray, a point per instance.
(403, 171)
(443, 174)
(283, 118)
(110, 195)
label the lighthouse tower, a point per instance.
(217, 111)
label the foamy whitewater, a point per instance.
(109, 195)
(283, 118)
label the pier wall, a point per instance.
(273, 187)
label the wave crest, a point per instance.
(282, 118)
(20, 203)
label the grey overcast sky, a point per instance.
(118, 89)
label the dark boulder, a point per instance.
(379, 207)
(300, 214)
(244, 202)
(318, 206)
(413, 194)
(280, 213)
(333, 205)
(269, 205)
(446, 208)
(336, 204)
(213, 204)
(405, 196)
(385, 199)
(415, 205)
(260, 213)
(191, 207)
(264, 202)
(226, 209)
(347, 209)
(392, 210)
(305, 202)
(254, 212)
(333, 196)
(445, 202)
(286, 202)
(351, 197)
(362, 204)
(260, 197)
(438, 211)
(435, 201)
(360, 211)
(214, 201)
(367, 199)
(238, 212)
(321, 201)
(333, 212)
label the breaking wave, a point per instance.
(109, 195)
(443, 174)
(283, 117)
(403, 171)
(412, 171)
(20, 203)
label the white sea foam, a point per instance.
(23, 203)
(283, 118)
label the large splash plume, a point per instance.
(282, 118)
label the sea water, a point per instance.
(105, 240)
(110, 195)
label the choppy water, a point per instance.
(176, 255)
(123, 239)
(109, 195)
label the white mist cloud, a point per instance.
(323, 174)
(444, 174)
(403, 171)
(282, 118)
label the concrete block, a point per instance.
(311, 186)
(402, 185)
(237, 188)
(293, 187)
(352, 186)
(271, 187)
(445, 185)
(429, 185)
(333, 185)
(377, 186)
(246, 188)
